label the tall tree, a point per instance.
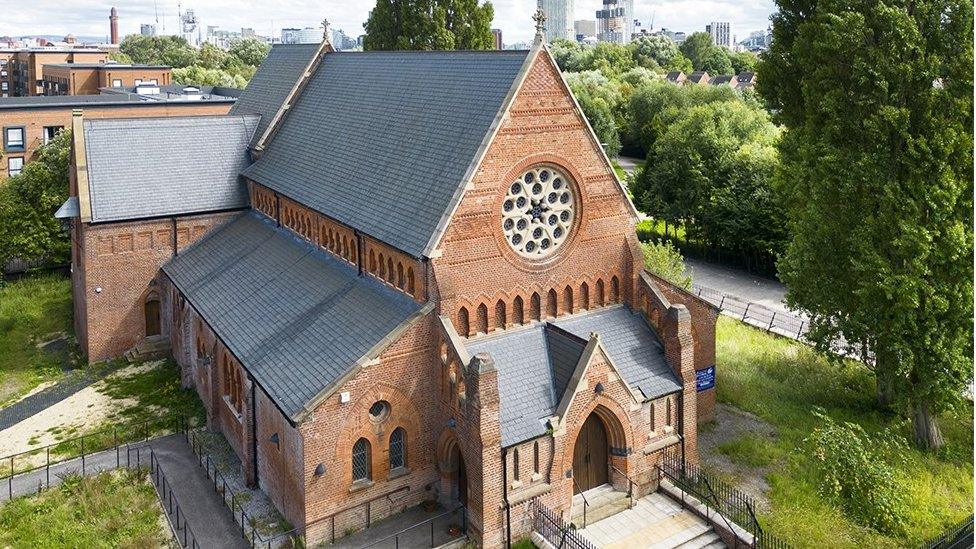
(705, 55)
(876, 166)
(158, 50)
(429, 25)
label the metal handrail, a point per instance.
(586, 502)
(630, 489)
(718, 508)
(431, 520)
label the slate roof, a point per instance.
(150, 167)
(275, 77)
(721, 80)
(381, 141)
(536, 364)
(697, 76)
(296, 317)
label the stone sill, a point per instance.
(360, 485)
(529, 493)
(398, 472)
(661, 444)
(237, 415)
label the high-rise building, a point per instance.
(615, 22)
(113, 19)
(497, 35)
(559, 19)
(308, 35)
(147, 29)
(721, 32)
(584, 28)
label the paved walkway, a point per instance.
(38, 402)
(210, 520)
(378, 534)
(657, 522)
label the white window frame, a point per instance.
(11, 171)
(116, 82)
(10, 145)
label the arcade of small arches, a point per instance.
(393, 272)
(487, 317)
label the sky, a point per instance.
(267, 17)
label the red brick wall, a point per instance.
(123, 261)
(280, 467)
(478, 268)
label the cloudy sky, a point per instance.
(90, 18)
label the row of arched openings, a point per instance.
(392, 271)
(362, 458)
(516, 463)
(338, 243)
(519, 312)
(298, 221)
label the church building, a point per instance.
(400, 276)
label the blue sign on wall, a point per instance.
(705, 379)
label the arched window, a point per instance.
(401, 280)
(464, 324)
(500, 315)
(518, 311)
(568, 300)
(391, 275)
(360, 460)
(584, 296)
(668, 412)
(614, 290)
(398, 448)
(482, 319)
(653, 421)
(372, 261)
(515, 464)
(535, 311)
(551, 305)
(535, 457)
(382, 271)
(411, 284)
(600, 294)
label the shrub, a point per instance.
(855, 473)
(664, 260)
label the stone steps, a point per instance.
(654, 522)
(604, 502)
(151, 348)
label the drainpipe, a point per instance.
(681, 428)
(254, 430)
(176, 250)
(508, 508)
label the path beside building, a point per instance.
(741, 284)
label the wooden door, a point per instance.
(462, 482)
(152, 318)
(590, 465)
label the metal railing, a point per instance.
(734, 507)
(630, 487)
(959, 536)
(586, 502)
(551, 526)
(174, 514)
(83, 447)
(396, 537)
(785, 323)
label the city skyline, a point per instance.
(513, 17)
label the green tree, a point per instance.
(250, 51)
(876, 169)
(654, 51)
(27, 204)
(653, 107)
(600, 98)
(158, 50)
(711, 169)
(664, 260)
(212, 57)
(715, 61)
(743, 61)
(429, 25)
(200, 76)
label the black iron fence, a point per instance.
(551, 526)
(959, 536)
(92, 450)
(732, 508)
(182, 532)
(760, 316)
(761, 263)
(410, 536)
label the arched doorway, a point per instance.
(454, 474)
(590, 455)
(462, 480)
(152, 318)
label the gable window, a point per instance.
(398, 448)
(233, 385)
(14, 138)
(50, 132)
(15, 165)
(116, 82)
(360, 460)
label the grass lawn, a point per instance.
(781, 382)
(113, 509)
(30, 310)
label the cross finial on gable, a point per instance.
(540, 24)
(326, 30)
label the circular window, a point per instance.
(379, 411)
(538, 212)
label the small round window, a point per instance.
(379, 411)
(538, 212)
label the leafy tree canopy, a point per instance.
(705, 55)
(158, 50)
(429, 25)
(876, 170)
(250, 51)
(27, 204)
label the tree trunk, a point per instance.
(928, 436)
(885, 381)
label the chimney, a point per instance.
(114, 22)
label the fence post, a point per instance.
(82, 455)
(721, 303)
(770, 327)
(47, 467)
(800, 331)
(745, 314)
(431, 533)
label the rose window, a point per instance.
(538, 212)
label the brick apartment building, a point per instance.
(29, 122)
(394, 276)
(88, 78)
(21, 69)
